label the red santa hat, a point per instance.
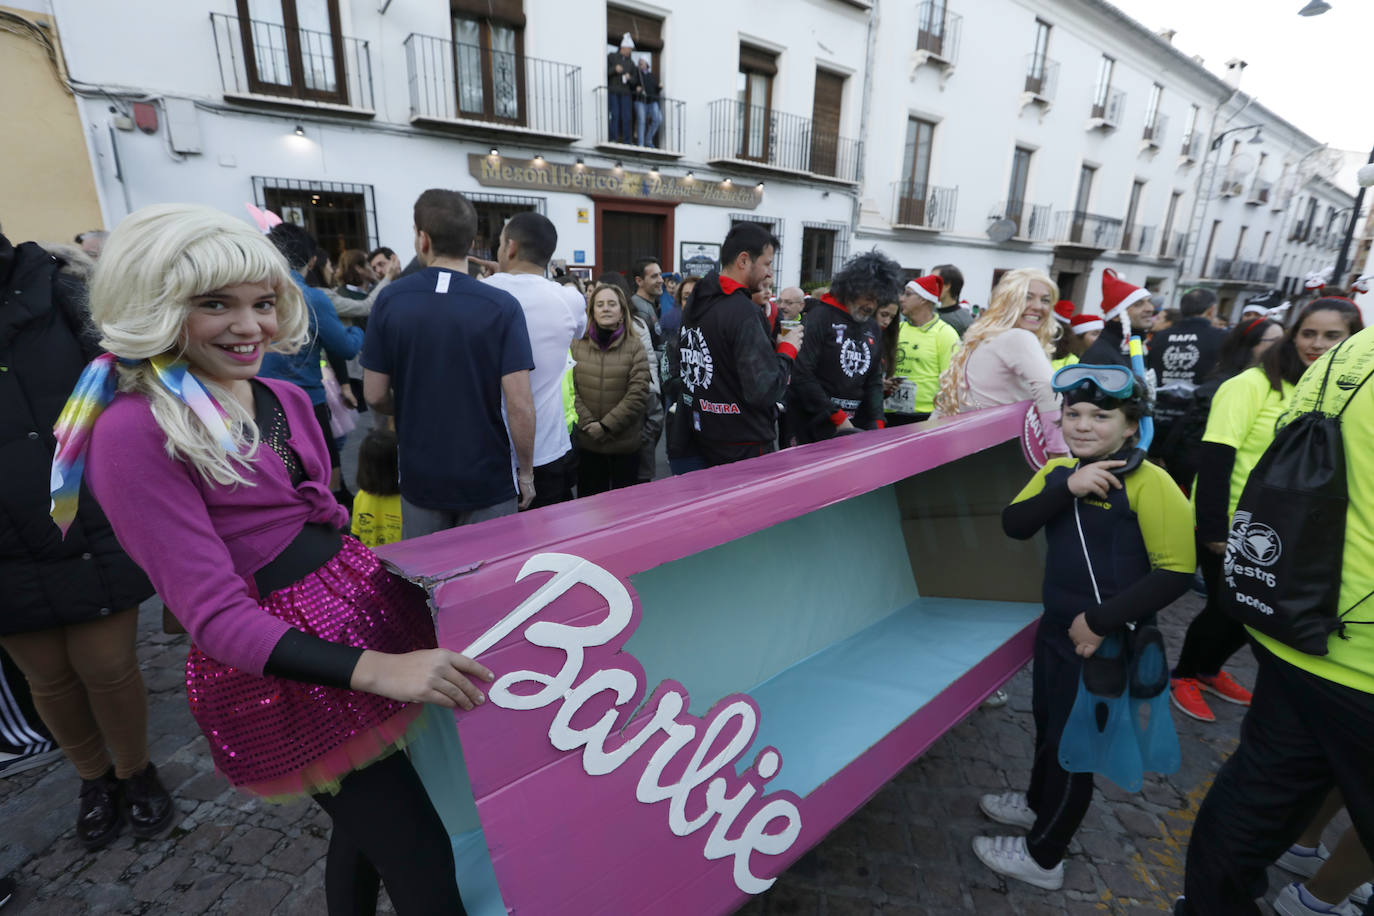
(1117, 294)
(1063, 311)
(930, 287)
(1314, 282)
(1083, 324)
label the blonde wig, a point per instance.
(1003, 312)
(154, 262)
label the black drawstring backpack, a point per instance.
(1282, 571)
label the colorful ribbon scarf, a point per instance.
(93, 393)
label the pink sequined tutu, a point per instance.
(278, 738)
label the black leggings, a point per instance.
(1213, 636)
(1060, 799)
(386, 830)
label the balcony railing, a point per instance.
(1192, 146)
(458, 83)
(1108, 106)
(1042, 77)
(1174, 246)
(774, 139)
(1238, 270)
(937, 31)
(1260, 191)
(923, 206)
(1138, 239)
(265, 59)
(1271, 275)
(1032, 220)
(1154, 133)
(670, 132)
(1075, 227)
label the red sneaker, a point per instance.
(1225, 686)
(1187, 697)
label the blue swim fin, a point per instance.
(1099, 736)
(1150, 713)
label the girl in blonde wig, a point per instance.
(308, 660)
(1005, 356)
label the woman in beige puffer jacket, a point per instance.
(611, 382)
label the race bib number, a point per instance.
(903, 400)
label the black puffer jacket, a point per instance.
(44, 345)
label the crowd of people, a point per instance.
(216, 372)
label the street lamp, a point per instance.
(1338, 273)
(1211, 185)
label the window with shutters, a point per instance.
(646, 30)
(914, 191)
(754, 94)
(825, 121)
(489, 59)
(293, 48)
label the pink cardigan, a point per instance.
(200, 542)
(1013, 367)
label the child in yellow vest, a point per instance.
(377, 504)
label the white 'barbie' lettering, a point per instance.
(736, 721)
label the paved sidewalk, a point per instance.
(906, 852)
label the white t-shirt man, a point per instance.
(555, 315)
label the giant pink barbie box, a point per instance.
(699, 678)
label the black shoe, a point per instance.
(147, 804)
(100, 819)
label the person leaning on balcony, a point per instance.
(622, 84)
(951, 310)
(1005, 356)
(648, 112)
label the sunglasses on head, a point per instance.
(1113, 381)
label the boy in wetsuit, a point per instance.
(1118, 528)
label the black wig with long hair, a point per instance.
(869, 273)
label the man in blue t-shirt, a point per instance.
(450, 357)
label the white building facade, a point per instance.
(991, 134)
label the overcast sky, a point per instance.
(1313, 71)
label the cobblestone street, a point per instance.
(906, 852)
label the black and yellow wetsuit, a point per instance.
(1139, 542)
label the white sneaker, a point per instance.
(1362, 893)
(1007, 856)
(997, 699)
(1303, 860)
(1008, 808)
(1290, 902)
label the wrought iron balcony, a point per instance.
(1076, 227)
(1260, 191)
(1042, 77)
(923, 206)
(1138, 239)
(759, 136)
(1107, 107)
(1174, 247)
(1271, 275)
(1032, 220)
(1237, 270)
(670, 132)
(1154, 133)
(937, 32)
(267, 62)
(461, 84)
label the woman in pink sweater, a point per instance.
(1005, 356)
(308, 660)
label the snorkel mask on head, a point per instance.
(1109, 387)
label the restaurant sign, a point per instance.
(543, 175)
